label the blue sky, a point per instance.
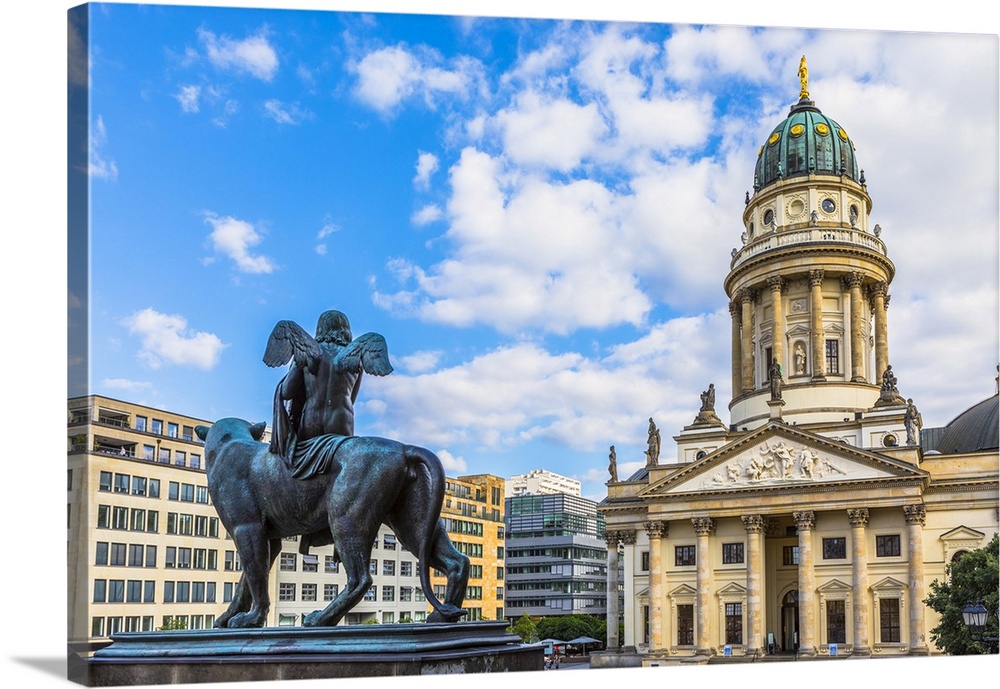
(537, 214)
(922, 109)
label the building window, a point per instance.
(172, 429)
(310, 563)
(135, 555)
(148, 593)
(286, 592)
(227, 592)
(105, 482)
(100, 590)
(288, 562)
(734, 623)
(134, 591)
(140, 423)
(157, 427)
(790, 555)
(148, 453)
(330, 591)
(309, 592)
(836, 615)
(330, 565)
(187, 492)
(138, 520)
(201, 495)
(684, 555)
(120, 518)
(732, 553)
(152, 522)
(405, 594)
(138, 486)
(183, 558)
(888, 614)
(685, 625)
(373, 566)
(102, 554)
(122, 483)
(389, 541)
(388, 593)
(406, 568)
(180, 458)
(195, 461)
(116, 591)
(164, 455)
(154, 488)
(832, 357)
(370, 594)
(389, 567)
(118, 554)
(834, 548)
(645, 561)
(150, 556)
(887, 546)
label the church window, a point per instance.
(887, 546)
(790, 555)
(685, 625)
(645, 561)
(732, 553)
(888, 614)
(836, 630)
(684, 555)
(834, 548)
(832, 356)
(734, 623)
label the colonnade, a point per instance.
(755, 526)
(745, 300)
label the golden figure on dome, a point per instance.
(803, 78)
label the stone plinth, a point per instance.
(279, 653)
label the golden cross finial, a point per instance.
(803, 78)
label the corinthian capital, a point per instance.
(656, 529)
(703, 526)
(805, 519)
(754, 523)
(914, 514)
(858, 516)
(816, 277)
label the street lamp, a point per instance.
(974, 615)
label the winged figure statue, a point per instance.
(317, 395)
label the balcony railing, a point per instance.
(808, 235)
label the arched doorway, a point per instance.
(790, 621)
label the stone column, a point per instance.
(612, 538)
(656, 530)
(737, 348)
(778, 322)
(703, 528)
(853, 283)
(746, 301)
(755, 525)
(879, 305)
(915, 515)
(816, 324)
(859, 568)
(804, 522)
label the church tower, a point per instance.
(808, 286)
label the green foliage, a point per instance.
(972, 578)
(524, 628)
(569, 627)
(171, 624)
(370, 620)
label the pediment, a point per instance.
(778, 456)
(732, 589)
(835, 586)
(888, 584)
(963, 533)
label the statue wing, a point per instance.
(368, 353)
(289, 341)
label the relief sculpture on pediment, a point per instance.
(776, 462)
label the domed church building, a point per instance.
(813, 523)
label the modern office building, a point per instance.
(814, 521)
(540, 481)
(144, 545)
(556, 556)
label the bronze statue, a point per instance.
(803, 78)
(367, 482)
(323, 382)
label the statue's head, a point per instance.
(333, 326)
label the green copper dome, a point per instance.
(806, 142)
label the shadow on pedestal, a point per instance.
(276, 653)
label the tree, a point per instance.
(972, 577)
(524, 628)
(172, 623)
(569, 627)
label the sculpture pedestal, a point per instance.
(280, 653)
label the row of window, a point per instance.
(309, 592)
(106, 626)
(833, 549)
(129, 485)
(836, 628)
(125, 519)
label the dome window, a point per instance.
(828, 206)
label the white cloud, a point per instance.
(522, 393)
(167, 339)
(426, 215)
(388, 76)
(99, 166)
(452, 465)
(235, 238)
(555, 133)
(253, 55)
(420, 362)
(427, 165)
(188, 98)
(285, 113)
